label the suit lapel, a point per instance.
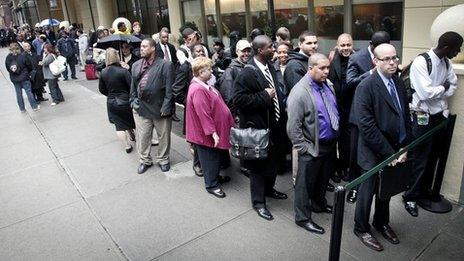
(384, 92)
(261, 78)
(337, 66)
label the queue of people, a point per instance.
(334, 116)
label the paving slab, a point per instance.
(68, 233)
(248, 237)
(18, 133)
(164, 210)
(444, 247)
(33, 191)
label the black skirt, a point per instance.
(120, 114)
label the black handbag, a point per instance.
(249, 143)
(394, 180)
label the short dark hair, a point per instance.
(379, 38)
(150, 41)
(259, 42)
(451, 39)
(255, 32)
(121, 24)
(186, 32)
(305, 34)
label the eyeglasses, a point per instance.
(389, 59)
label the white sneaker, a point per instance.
(37, 108)
(53, 104)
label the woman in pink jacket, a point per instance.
(208, 123)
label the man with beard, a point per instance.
(151, 99)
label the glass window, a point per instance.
(233, 18)
(372, 16)
(162, 15)
(259, 15)
(211, 20)
(293, 15)
(192, 13)
(328, 18)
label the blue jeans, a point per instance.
(26, 85)
(55, 90)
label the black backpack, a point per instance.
(407, 69)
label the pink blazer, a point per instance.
(206, 112)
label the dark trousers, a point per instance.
(72, 67)
(55, 91)
(355, 170)
(424, 158)
(311, 182)
(260, 186)
(343, 146)
(38, 94)
(366, 193)
(210, 160)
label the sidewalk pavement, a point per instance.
(68, 191)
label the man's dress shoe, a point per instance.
(327, 209)
(224, 179)
(311, 227)
(277, 195)
(142, 168)
(245, 171)
(388, 233)
(198, 171)
(352, 196)
(330, 188)
(264, 213)
(370, 241)
(165, 167)
(217, 193)
(411, 207)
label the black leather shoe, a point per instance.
(370, 241)
(198, 171)
(154, 143)
(330, 188)
(277, 195)
(264, 213)
(327, 209)
(129, 149)
(175, 118)
(224, 179)
(311, 227)
(245, 171)
(142, 168)
(411, 207)
(352, 196)
(217, 193)
(388, 233)
(165, 167)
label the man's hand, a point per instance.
(216, 139)
(403, 157)
(393, 163)
(271, 92)
(446, 85)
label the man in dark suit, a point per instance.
(384, 127)
(50, 34)
(152, 101)
(360, 65)
(167, 51)
(337, 75)
(257, 97)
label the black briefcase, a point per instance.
(394, 180)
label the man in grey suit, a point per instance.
(360, 65)
(152, 102)
(313, 124)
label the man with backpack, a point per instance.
(432, 82)
(67, 48)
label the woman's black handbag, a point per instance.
(249, 143)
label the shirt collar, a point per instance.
(202, 83)
(261, 66)
(384, 78)
(435, 57)
(148, 62)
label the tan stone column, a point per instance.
(105, 12)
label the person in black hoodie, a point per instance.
(19, 68)
(297, 65)
(36, 74)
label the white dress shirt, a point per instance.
(165, 49)
(263, 68)
(430, 96)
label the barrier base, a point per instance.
(441, 205)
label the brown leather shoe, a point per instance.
(388, 233)
(370, 241)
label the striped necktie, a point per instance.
(269, 80)
(330, 110)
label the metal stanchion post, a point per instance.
(337, 223)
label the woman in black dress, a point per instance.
(115, 83)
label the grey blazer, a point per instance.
(156, 99)
(303, 123)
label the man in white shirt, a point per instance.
(430, 107)
(83, 42)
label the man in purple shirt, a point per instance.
(313, 124)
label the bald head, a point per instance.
(345, 44)
(259, 42)
(263, 48)
(315, 58)
(318, 65)
(386, 60)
